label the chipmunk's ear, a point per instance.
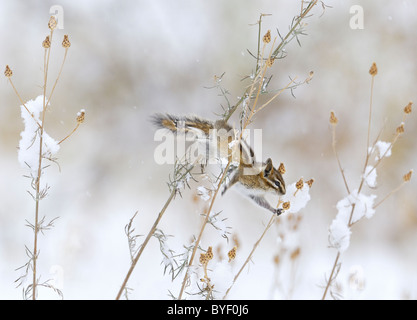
(268, 167)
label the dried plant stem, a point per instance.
(255, 246)
(70, 134)
(206, 218)
(259, 40)
(148, 237)
(332, 275)
(23, 104)
(276, 95)
(390, 194)
(295, 26)
(38, 178)
(59, 75)
(273, 55)
(370, 113)
(337, 158)
(368, 154)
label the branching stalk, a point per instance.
(144, 244)
(206, 218)
(255, 246)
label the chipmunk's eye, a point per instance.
(277, 183)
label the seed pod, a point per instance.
(46, 43)
(373, 71)
(66, 43)
(8, 72)
(232, 254)
(267, 37)
(52, 23)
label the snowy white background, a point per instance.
(133, 58)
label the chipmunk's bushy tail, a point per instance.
(182, 124)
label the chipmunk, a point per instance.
(254, 179)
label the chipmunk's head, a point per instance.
(273, 178)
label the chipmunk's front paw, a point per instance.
(278, 211)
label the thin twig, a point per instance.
(299, 19)
(23, 104)
(331, 278)
(70, 134)
(270, 223)
(202, 229)
(38, 178)
(57, 78)
(337, 158)
(143, 246)
(390, 194)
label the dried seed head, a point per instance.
(310, 76)
(407, 176)
(203, 259)
(333, 119)
(400, 129)
(310, 182)
(286, 205)
(81, 116)
(267, 37)
(281, 168)
(295, 254)
(300, 184)
(209, 253)
(373, 70)
(270, 62)
(407, 108)
(8, 72)
(276, 259)
(232, 254)
(66, 43)
(52, 23)
(46, 43)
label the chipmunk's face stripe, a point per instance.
(273, 179)
(281, 185)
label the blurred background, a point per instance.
(131, 59)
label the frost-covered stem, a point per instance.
(336, 261)
(270, 223)
(38, 178)
(142, 247)
(184, 281)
